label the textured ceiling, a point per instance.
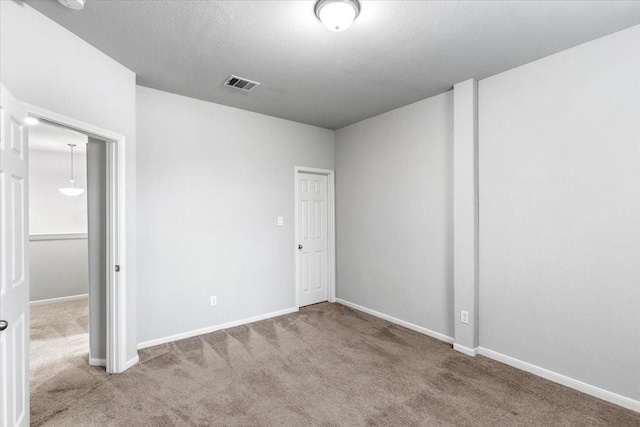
(396, 52)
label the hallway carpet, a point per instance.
(59, 340)
(326, 365)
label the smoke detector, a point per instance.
(73, 4)
(241, 83)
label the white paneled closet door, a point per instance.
(313, 242)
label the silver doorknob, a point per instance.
(3, 325)
(299, 247)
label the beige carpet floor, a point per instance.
(326, 365)
(59, 340)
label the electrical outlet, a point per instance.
(280, 220)
(464, 317)
(213, 300)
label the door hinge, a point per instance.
(117, 268)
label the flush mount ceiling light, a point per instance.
(337, 15)
(71, 191)
(73, 4)
(30, 121)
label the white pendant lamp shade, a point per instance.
(337, 15)
(72, 190)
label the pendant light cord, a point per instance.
(72, 180)
(71, 191)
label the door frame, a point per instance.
(331, 230)
(116, 358)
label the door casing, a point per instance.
(116, 360)
(331, 234)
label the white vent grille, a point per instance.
(241, 83)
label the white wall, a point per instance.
(560, 213)
(394, 206)
(212, 181)
(465, 215)
(49, 210)
(97, 247)
(54, 69)
(58, 267)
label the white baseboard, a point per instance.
(391, 319)
(608, 396)
(465, 350)
(97, 362)
(103, 362)
(134, 360)
(60, 299)
(214, 328)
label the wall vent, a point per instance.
(241, 83)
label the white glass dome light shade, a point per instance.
(73, 4)
(337, 15)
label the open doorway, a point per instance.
(59, 251)
(73, 272)
(106, 237)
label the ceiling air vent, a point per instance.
(241, 83)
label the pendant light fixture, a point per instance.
(337, 15)
(71, 191)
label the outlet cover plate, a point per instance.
(464, 317)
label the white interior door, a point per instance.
(313, 243)
(14, 271)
